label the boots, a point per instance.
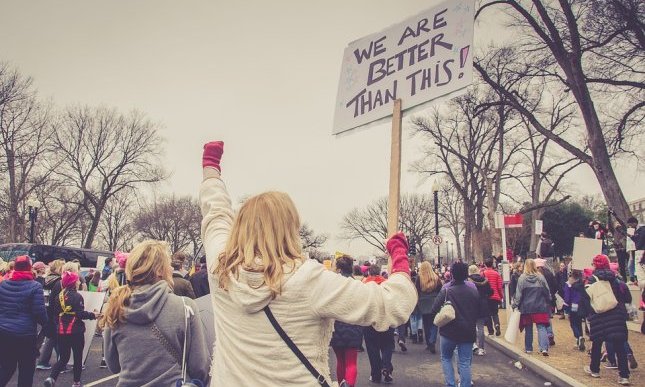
(420, 334)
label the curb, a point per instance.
(556, 377)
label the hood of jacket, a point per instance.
(50, 280)
(531, 278)
(605, 275)
(249, 291)
(146, 302)
(478, 279)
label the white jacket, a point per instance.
(248, 351)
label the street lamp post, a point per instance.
(33, 204)
(435, 192)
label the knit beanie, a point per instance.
(601, 261)
(69, 279)
(23, 263)
(121, 258)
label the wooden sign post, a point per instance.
(393, 199)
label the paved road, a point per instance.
(415, 368)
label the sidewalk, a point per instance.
(569, 361)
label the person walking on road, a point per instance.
(347, 338)
(144, 324)
(428, 286)
(199, 280)
(22, 307)
(181, 286)
(261, 284)
(540, 264)
(52, 288)
(485, 291)
(609, 327)
(533, 299)
(70, 308)
(460, 332)
(573, 293)
(495, 299)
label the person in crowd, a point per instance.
(518, 267)
(75, 267)
(147, 301)
(416, 322)
(573, 293)
(460, 333)
(494, 301)
(107, 268)
(9, 270)
(181, 286)
(40, 271)
(257, 265)
(541, 265)
(428, 285)
(181, 257)
(533, 299)
(347, 338)
(485, 291)
(609, 326)
(597, 231)
(70, 327)
(561, 278)
(117, 278)
(22, 308)
(3, 269)
(379, 344)
(93, 283)
(545, 249)
(199, 280)
(619, 234)
(52, 288)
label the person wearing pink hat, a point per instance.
(70, 327)
(40, 270)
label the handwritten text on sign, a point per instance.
(423, 58)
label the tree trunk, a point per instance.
(94, 225)
(469, 220)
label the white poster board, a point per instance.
(539, 225)
(93, 303)
(584, 249)
(421, 59)
(205, 310)
(100, 262)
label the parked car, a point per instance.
(48, 253)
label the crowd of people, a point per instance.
(270, 302)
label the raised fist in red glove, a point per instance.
(397, 247)
(212, 156)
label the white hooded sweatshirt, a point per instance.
(248, 351)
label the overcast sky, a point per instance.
(260, 75)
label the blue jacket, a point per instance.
(22, 306)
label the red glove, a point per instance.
(397, 247)
(213, 154)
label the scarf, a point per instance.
(21, 276)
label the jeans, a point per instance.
(631, 266)
(379, 347)
(17, 352)
(480, 332)
(623, 256)
(575, 320)
(596, 349)
(493, 320)
(543, 337)
(416, 322)
(67, 344)
(430, 330)
(465, 357)
(549, 330)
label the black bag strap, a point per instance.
(319, 377)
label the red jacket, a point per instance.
(495, 281)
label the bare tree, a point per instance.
(104, 152)
(60, 217)
(451, 210)
(311, 240)
(116, 231)
(595, 51)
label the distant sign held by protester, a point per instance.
(423, 58)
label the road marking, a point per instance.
(97, 382)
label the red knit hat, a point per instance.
(601, 261)
(69, 279)
(23, 263)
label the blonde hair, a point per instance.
(265, 236)
(148, 263)
(71, 266)
(56, 267)
(428, 279)
(529, 267)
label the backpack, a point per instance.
(601, 296)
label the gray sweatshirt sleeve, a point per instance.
(518, 292)
(198, 360)
(110, 352)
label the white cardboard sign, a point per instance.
(584, 249)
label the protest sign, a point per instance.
(584, 249)
(423, 58)
(93, 303)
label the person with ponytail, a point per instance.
(70, 308)
(22, 308)
(144, 324)
(263, 289)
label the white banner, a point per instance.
(584, 249)
(538, 226)
(421, 59)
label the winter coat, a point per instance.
(248, 351)
(22, 307)
(466, 302)
(495, 281)
(573, 294)
(182, 286)
(485, 291)
(52, 288)
(71, 322)
(155, 323)
(639, 238)
(512, 286)
(545, 250)
(199, 281)
(532, 294)
(561, 279)
(347, 335)
(553, 284)
(610, 325)
(426, 299)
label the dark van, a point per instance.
(47, 253)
